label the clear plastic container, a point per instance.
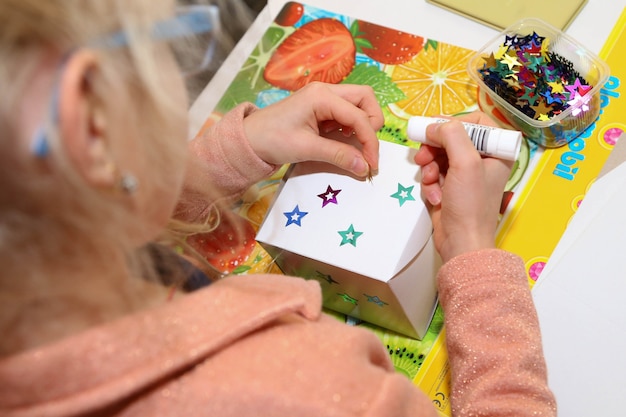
(552, 130)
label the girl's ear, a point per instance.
(83, 121)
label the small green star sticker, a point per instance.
(404, 194)
(349, 236)
(348, 299)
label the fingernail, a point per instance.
(431, 129)
(360, 167)
(434, 198)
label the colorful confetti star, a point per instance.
(539, 40)
(511, 61)
(545, 80)
(329, 196)
(551, 98)
(545, 47)
(512, 82)
(295, 216)
(541, 108)
(579, 103)
(510, 40)
(501, 52)
(404, 194)
(534, 63)
(556, 87)
(349, 236)
(574, 89)
(529, 97)
(534, 51)
(490, 61)
(551, 73)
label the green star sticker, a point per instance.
(349, 236)
(345, 297)
(404, 194)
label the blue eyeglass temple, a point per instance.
(191, 20)
(39, 145)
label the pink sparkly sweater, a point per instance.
(260, 346)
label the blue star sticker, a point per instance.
(376, 300)
(349, 236)
(295, 216)
(404, 194)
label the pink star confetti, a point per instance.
(579, 104)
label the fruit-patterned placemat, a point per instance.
(410, 75)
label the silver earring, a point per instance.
(128, 183)
(40, 146)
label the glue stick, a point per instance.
(488, 141)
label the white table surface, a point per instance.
(591, 27)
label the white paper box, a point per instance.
(368, 243)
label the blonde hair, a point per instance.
(46, 211)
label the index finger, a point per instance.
(345, 112)
(453, 138)
(364, 98)
(476, 117)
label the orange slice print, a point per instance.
(435, 82)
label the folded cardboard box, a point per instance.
(369, 243)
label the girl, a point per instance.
(94, 162)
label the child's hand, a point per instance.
(462, 190)
(292, 130)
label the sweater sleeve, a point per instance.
(493, 337)
(221, 167)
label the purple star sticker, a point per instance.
(329, 196)
(295, 216)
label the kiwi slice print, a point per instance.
(520, 166)
(394, 129)
(406, 354)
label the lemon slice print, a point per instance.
(435, 82)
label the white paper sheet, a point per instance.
(581, 302)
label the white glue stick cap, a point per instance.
(489, 141)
